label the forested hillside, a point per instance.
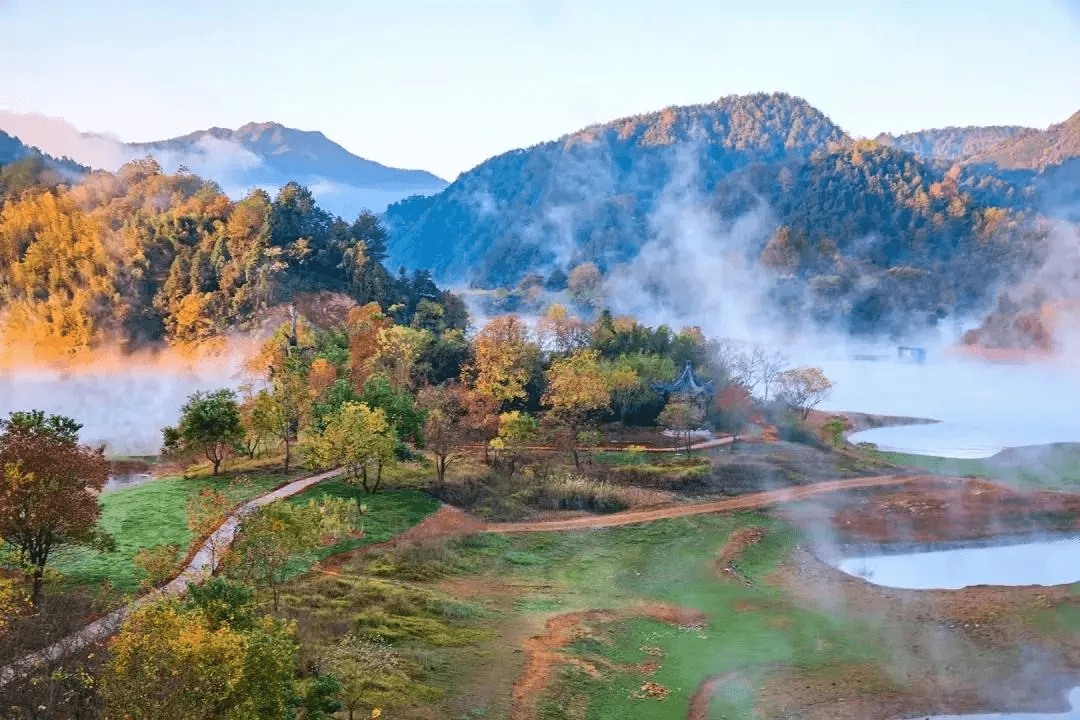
(143, 257)
(1036, 150)
(13, 150)
(588, 195)
(953, 143)
(873, 238)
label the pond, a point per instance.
(1042, 562)
(1073, 714)
(119, 481)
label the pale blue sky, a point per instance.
(445, 84)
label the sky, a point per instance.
(444, 84)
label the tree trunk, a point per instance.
(38, 584)
(577, 461)
(288, 450)
(378, 477)
(440, 467)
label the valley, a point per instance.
(673, 362)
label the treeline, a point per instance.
(141, 256)
(374, 391)
(879, 242)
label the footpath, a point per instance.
(195, 571)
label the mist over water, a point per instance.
(1050, 562)
(983, 407)
(123, 408)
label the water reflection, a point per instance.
(1048, 562)
(126, 480)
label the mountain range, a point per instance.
(756, 202)
(266, 155)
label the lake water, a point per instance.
(126, 410)
(1049, 562)
(983, 407)
(1073, 714)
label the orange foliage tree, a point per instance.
(48, 489)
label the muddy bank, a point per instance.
(982, 649)
(936, 510)
(974, 650)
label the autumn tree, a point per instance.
(256, 433)
(368, 670)
(399, 351)
(516, 430)
(682, 418)
(559, 331)
(631, 378)
(365, 325)
(446, 429)
(584, 284)
(504, 360)
(804, 388)
(763, 370)
(321, 377)
(170, 660)
(268, 536)
(360, 441)
(209, 423)
(734, 405)
(49, 485)
(577, 389)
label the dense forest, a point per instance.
(142, 257)
(875, 239)
(953, 143)
(1036, 150)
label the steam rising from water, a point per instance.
(121, 404)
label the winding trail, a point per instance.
(742, 502)
(197, 570)
(200, 566)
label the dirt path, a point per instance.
(197, 570)
(743, 502)
(447, 523)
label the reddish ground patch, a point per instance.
(699, 701)
(937, 509)
(733, 549)
(544, 650)
(445, 522)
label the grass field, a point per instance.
(389, 513)
(751, 629)
(151, 514)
